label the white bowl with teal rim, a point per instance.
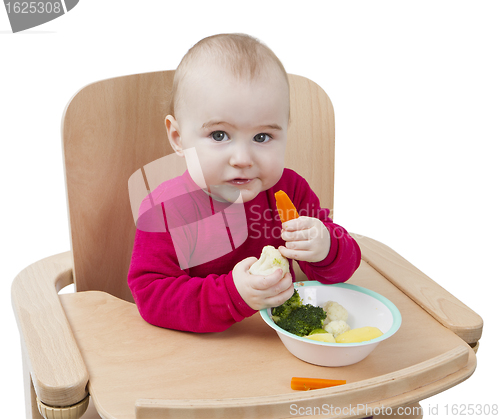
(365, 308)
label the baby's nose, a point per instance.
(241, 157)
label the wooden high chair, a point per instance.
(94, 341)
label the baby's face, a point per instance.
(238, 127)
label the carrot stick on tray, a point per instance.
(286, 209)
(301, 383)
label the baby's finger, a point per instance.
(282, 285)
(300, 223)
(296, 254)
(264, 282)
(278, 299)
(297, 235)
(246, 263)
(301, 245)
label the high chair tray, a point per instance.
(139, 370)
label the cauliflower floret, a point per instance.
(337, 327)
(270, 260)
(334, 311)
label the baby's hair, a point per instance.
(243, 55)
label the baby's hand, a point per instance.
(260, 291)
(306, 239)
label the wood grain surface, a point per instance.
(246, 371)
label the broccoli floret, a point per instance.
(303, 320)
(285, 309)
(298, 318)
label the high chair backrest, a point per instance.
(114, 127)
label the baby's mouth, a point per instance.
(239, 181)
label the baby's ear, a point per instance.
(174, 135)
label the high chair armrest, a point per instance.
(56, 366)
(439, 303)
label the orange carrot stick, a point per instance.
(301, 383)
(286, 209)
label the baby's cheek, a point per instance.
(272, 170)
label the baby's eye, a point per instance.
(262, 138)
(219, 135)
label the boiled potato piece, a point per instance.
(361, 334)
(322, 337)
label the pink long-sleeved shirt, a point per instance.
(203, 298)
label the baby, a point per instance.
(231, 105)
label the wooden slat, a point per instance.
(111, 129)
(310, 147)
(50, 353)
(429, 295)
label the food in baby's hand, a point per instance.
(298, 318)
(286, 209)
(361, 334)
(337, 327)
(334, 311)
(270, 260)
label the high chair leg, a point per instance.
(29, 393)
(34, 406)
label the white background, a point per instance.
(415, 86)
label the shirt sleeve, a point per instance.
(344, 256)
(168, 297)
